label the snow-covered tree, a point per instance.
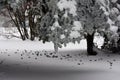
(36, 12)
(50, 28)
(93, 18)
(115, 27)
(111, 10)
(58, 24)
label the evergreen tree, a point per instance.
(57, 23)
(49, 27)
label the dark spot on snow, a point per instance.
(15, 52)
(108, 55)
(111, 63)
(37, 54)
(79, 54)
(68, 55)
(1, 62)
(21, 54)
(45, 54)
(114, 60)
(90, 60)
(51, 53)
(54, 56)
(25, 51)
(61, 58)
(95, 60)
(40, 54)
(80, 60)
(29, 57)
(78, 63)
(48, 56)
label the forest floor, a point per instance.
(27, 60)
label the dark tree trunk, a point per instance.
(16, 23)
(56, 47)
(90, 44)
(32, 26)
(32, 38)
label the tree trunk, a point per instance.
(16, 23)
(56, 47)
(32, 26)
(90, 44)
(32, 34)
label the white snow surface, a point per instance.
(114, 29)
(114, 10)
(99, 41)
(114, 1)
(62, 36)
(71, 5)
(79, 67)
(118, 18)
(77, 25)
(118, 5)
(36, 45)
(104, 66)
(74, 34)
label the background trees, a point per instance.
(25, 14)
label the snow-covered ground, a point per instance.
(33, 60)
(27, 60)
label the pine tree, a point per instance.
(56, 24)
(49, 27)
